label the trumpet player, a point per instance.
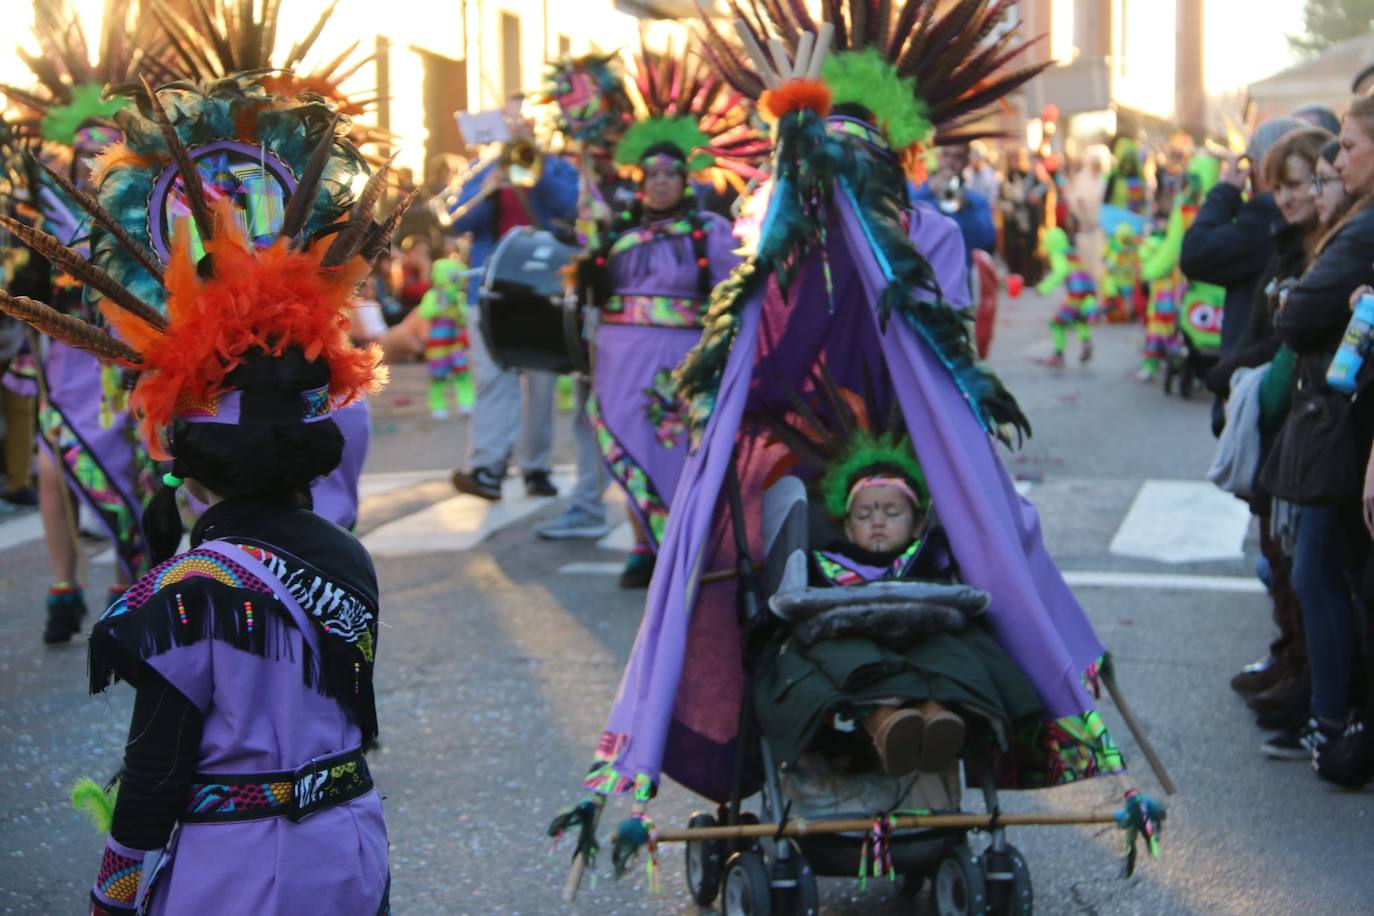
(507, 192)
(947, 190)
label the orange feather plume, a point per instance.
(270, 299)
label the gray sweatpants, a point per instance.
(508, 405)
(591, 473)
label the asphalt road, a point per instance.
(496, 671)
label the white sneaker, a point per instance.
(574, 523)
(440, 414)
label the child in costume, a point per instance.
(1126, 185)
(251, 654)
(1121, 286)
(1079, 310)
(1159, 266)
(444, 309)
(932, 673)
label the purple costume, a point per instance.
(651, 320)
(272, 656)
(336, 496)
(678, 705)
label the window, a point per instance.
(512, 74)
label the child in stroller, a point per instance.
(889, 678)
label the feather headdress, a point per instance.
(68, 91)
(946, 57)
(917, 70)
(589, 93)
(227, 39)
(268, 244)
(679, 99)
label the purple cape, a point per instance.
(686, 726)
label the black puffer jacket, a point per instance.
(1258, 343)
(1229, 244)
(1318, 307)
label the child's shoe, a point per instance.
(66, 608)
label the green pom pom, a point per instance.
(61, 123)
(867, 454)
(93, 800)
(682, 133)
(866, 78)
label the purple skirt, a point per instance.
(640, 428)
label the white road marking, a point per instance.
(1081, 578)
(622, 538)
(459, 523)
(389, 481)
(590, 569)
(21, 530)
(1183, 521)
(1241, 584)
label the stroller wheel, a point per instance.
(959, 886)
(705, 862)
(1008, 882)
(748, 890)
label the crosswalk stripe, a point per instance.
(459, 523)
(21, 530)
(1183, 521)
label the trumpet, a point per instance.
(518, 161)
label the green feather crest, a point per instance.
(62, 122)
(95, 801)
(867, 455)
(681, 132)
(866, 78)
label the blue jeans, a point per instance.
(1321, 582)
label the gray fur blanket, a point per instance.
(893, 614)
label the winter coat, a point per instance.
(1258, 343)
(1229, 244)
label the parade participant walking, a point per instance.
(965, 205)
(593, 112)
(251, 654)
(508, 404)
(651, 278)
(835, 317)
(88, 455)
(1080, 309)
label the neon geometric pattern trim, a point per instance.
(117, 881)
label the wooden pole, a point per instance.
(1108, 678)
(803, 827)
(579, 865)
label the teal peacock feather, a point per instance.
(237, 108)
(811, 166)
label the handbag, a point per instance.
(1315, 460)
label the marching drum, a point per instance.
(530, 317)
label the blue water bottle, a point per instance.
(1345, 365)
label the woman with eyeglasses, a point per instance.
(1330, 544)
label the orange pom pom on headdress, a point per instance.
(796, 95)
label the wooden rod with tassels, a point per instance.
(803, 827)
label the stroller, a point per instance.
(775, 875)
